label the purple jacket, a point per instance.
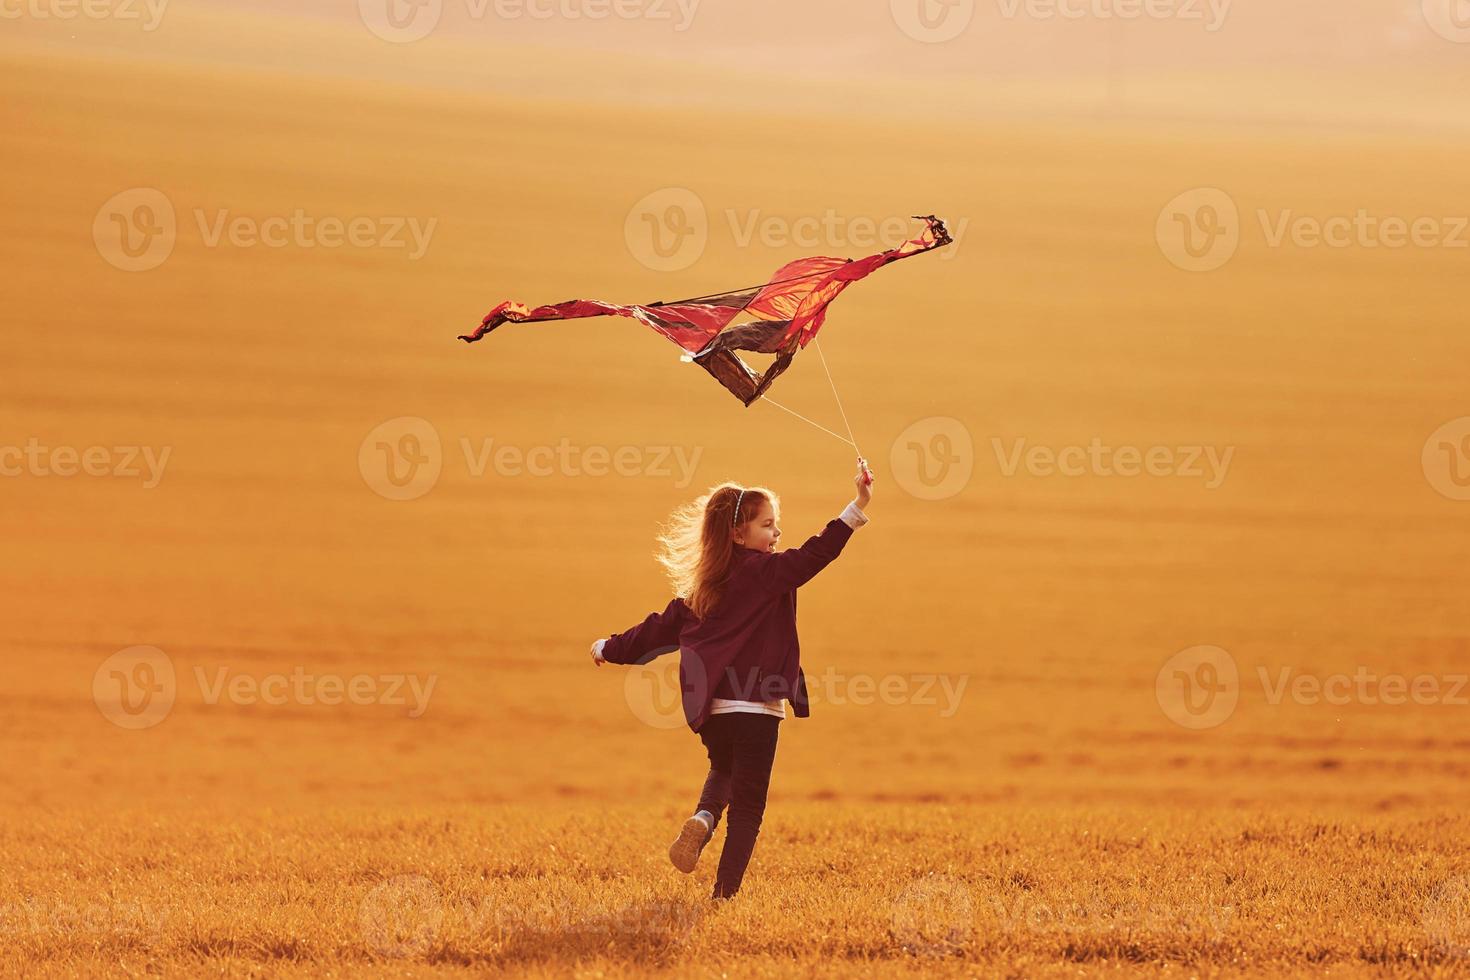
(746, 648)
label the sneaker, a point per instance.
(685, 850)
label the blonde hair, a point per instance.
(698, 551)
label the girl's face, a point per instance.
(760, 533)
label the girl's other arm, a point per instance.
(657, 635)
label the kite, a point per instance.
(795, 300)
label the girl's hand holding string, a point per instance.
(864, 483)
(597, 653)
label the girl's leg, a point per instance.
(715, 734)
(753, 743)
(699, 829)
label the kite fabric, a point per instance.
(795, 299)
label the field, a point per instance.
(846, 890)
(275, 711)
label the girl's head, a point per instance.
(702, 540)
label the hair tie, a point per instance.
(735, 518)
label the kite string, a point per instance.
(808, 421)
(850, 439)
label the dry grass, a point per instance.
(834, 891)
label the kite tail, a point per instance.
(501, 314)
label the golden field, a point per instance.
(1022, 801)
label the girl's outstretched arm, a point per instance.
(657, 635)
(788, 570)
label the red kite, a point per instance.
(796, 298)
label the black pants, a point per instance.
(742, 747)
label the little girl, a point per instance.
(734, 619)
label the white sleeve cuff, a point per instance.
(597, 651)
(853, 517)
